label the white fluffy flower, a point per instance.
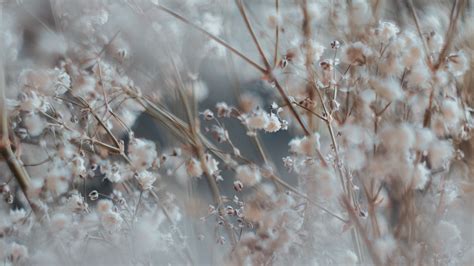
(35, 124)
(59, 221)
(421, 176)
(248, 175)
(451, 111)
(356, 54)
(142, 153)
(146, 179)
(439, 153)
(418, 76)
(78, 166)
(257, 120)
(318, 50)
(213, 166)
(306, 145)
(198, 88)
(273, 124)
(385, 247)
(458, 63)
(111, 220)
(398, 139)
(104, 206)
(57, 180)
(387, 30)
(423, 138)
(193, 168)
(389, 89)
(18, 253)
(30, 102)
(75, 203)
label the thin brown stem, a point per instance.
(277, 33)
(14, 164)
(212, 36)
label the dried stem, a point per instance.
(277, 33)
(215, 38)
(14, 164)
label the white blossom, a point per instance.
(248, 175)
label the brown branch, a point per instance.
(14, 164)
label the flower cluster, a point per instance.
(347, 141)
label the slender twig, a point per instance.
(420, 33)
(375, 257)
(448, 40)
(14, 164)
(210, 35)
(277, 33)
(243, 13)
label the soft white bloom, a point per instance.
(146, 179)
(326, 183)
(355, 158)
(273, 124)
(423, 138)
(142, 153)
(306, 145)
(76, 203)
(78, 166)
(412, 56)
(458, 63)
(318, 50)
(387, 30)
(356, 54)
(213, 166)
(115, 173)
(385, 247)
(35, 124)
(248, 175)
(451, 111)
(223, 110)
(85, 87)
(397, 138)
(198, 88)
(30, 102)
(389, 89)
(435, 42)
(418, 76)
(59, 221)
(18, 253)
(104, 206)
(193, 168)
(368, 96)
(57, 180)
(421, 176)
(257, 120)
(111, 220)
(439, 153)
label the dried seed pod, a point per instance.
(93, 195)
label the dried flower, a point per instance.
(248, 175)
(356, 54)
(193, 168)
(146, 179)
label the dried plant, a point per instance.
(145, 132)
